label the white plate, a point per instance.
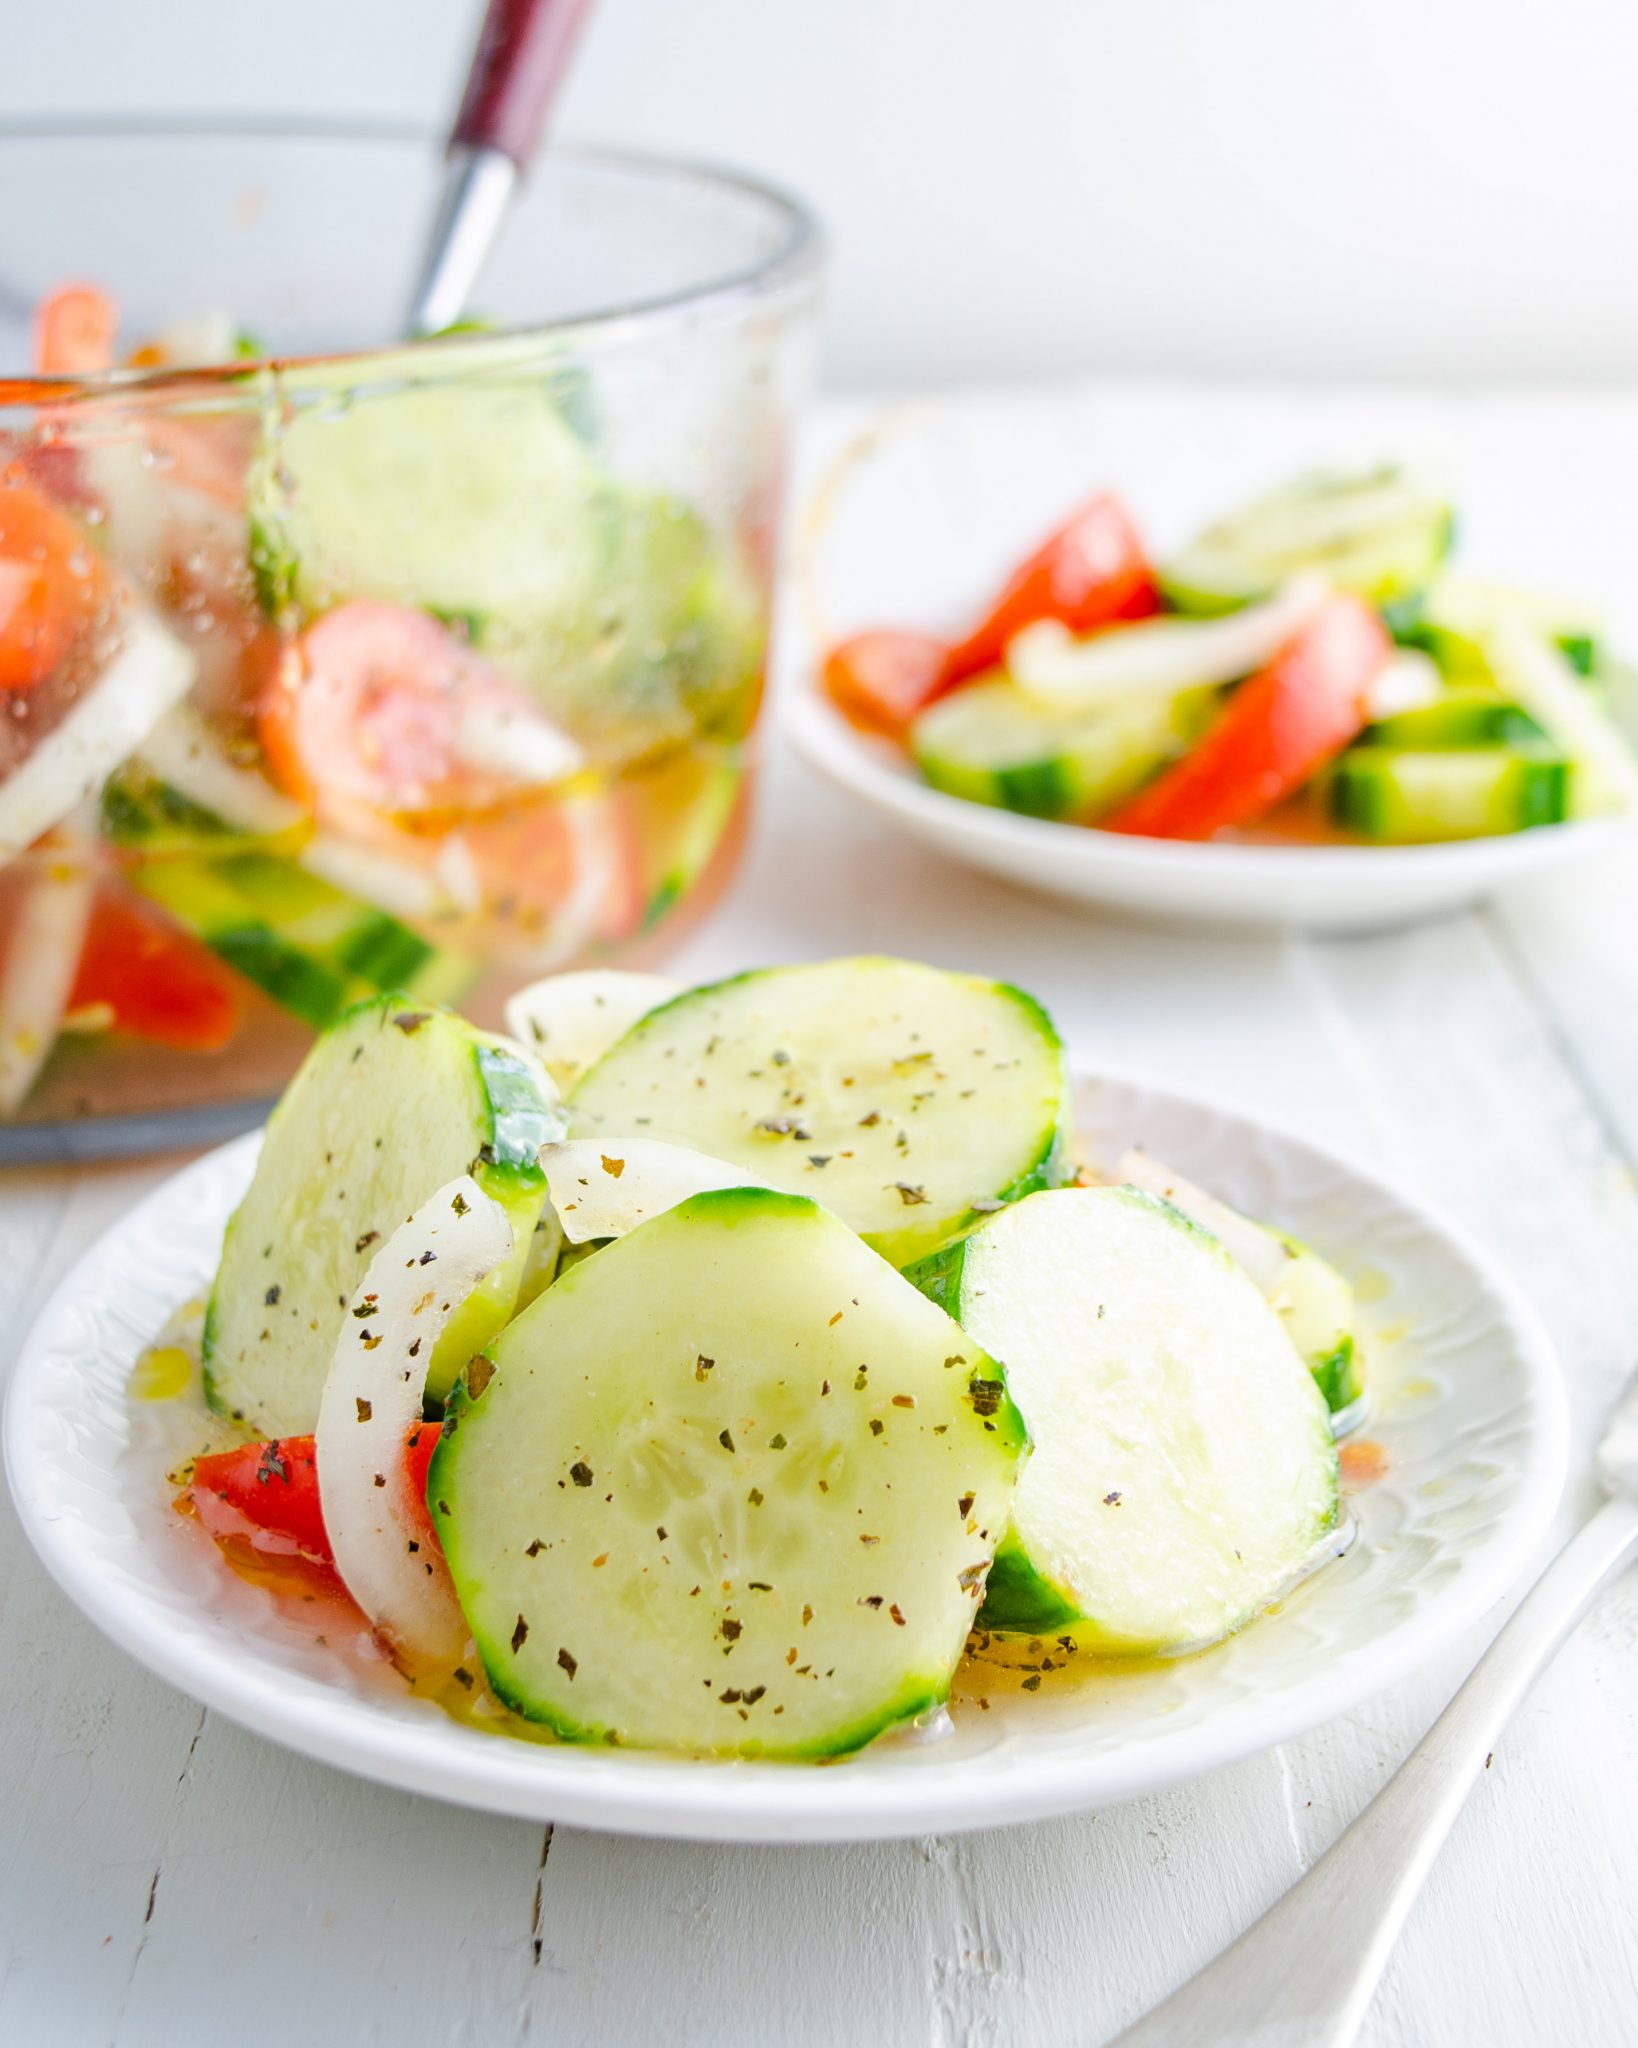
(917, 519)
(1469, 1415)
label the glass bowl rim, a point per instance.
(793, 265)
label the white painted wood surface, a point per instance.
(157, 1864)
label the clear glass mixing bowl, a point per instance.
(330, 662)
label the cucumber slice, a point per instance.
(1458, 615)
(155, 820)
(1535, 673)
(1184, 1468)
(1401, 797)
(730, 1486)
(1382, 534)
(390, 1103)
(992, 744)
(1467, 717)
(634, 625)
(465, 498)
(1306, 1292)
(1316, 1305)
(706, 825)
(305, 944)
(909, 1100)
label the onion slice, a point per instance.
(371, 1401)
(1409, 682)
(603, 1187)
(568, 1021)
(1260, 1253)
(1159, 657)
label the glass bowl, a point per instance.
(330, 662)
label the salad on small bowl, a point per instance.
(1305, 685)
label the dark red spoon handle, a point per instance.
(523, 54)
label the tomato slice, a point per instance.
(52, 584)
(76, 329)
(882, 679)
(1091, 572)
(380, 713)
(274, 1486)
(159, 982)
(1277, 730)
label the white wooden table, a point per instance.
(162, 1873)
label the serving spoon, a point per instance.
(1303, 1976)
(522, 57)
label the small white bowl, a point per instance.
(919, 511)
(1315, 888)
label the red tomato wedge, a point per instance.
(76, 329)
(1279, 727)
(882, 679)
(1092, 572)
(158, 980)
(52, 584)
(274, 1486)
(380, 713)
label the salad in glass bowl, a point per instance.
(426, 668)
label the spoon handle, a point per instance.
(522, 57)
(1303, 1976)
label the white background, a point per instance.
(1434, 188)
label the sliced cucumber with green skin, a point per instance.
(1466, 717)
(1383, 534)
(632, 622)
(467, 498)
(908, 1100)
(149, 816)
(393, 1101)
(729, 1486)
(1399, 796)
(992, 744)
(1458, 615)
(305, 944)
(1316, 1304)
(1183, 1469)
(708, 821)
(1306, 1292)
(1534, 672)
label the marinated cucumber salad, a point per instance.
(314, 687)
(1309, 668)
(705, 1369)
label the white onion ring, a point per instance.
(569, 1021)
(1159, 657)
(371, 1402)
(603, 1187)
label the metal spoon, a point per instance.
(522, 57)
(1303, 1976)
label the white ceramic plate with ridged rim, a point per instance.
(1469, 1417)
(917, 517)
